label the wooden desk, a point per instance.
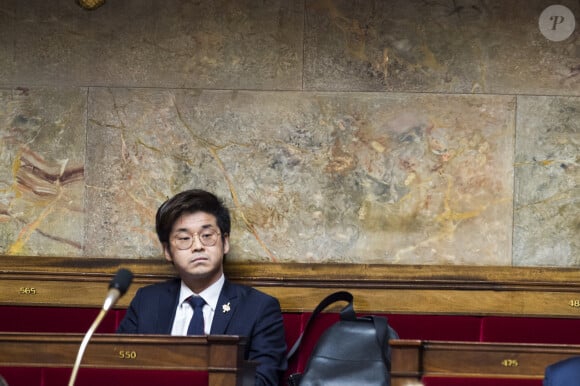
(221, 356)
(414, 359)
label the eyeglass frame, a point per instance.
(215, 233)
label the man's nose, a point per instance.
(196, 245)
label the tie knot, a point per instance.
(196, 301)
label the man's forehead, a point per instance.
(197, 220)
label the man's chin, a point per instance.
(199, 272)
(200, 278)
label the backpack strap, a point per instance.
(347, 313)
(382, 331)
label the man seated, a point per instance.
(194, 228)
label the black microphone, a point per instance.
(117, 288)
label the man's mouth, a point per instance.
(198, 259)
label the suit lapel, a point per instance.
(167, 307)
(225, 309)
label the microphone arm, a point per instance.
(84, 344)
(117, 288)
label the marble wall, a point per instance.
(398, 132)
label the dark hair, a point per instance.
(190, 201)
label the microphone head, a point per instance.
(121, 281)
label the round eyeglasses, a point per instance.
(184, 240)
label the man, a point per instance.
(193, 228)
(563, 373)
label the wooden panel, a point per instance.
(406, 359)
(221, 356)
(411, 359)
(508, 291)
(414, 359)
(73, 291)
(63, 290)
(437, 301)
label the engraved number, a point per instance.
(510, 363)
(124, 354)
(574, 303)
(27, 291)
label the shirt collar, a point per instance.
(210, 295)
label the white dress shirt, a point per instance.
(184, 311)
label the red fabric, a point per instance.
(436, 327)
(408, 326)
(112, 377)
(530, 330)
(119, 315)
(449, 381)
(22, 376)
(53, 319)
(292, 327)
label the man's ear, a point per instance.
(167, 252)
(226, 243)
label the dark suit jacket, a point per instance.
(253, 314)
(563, 373)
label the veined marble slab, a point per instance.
(218, 44)
(42, 154)
(358, 177)
(547, 189)
(461, 46)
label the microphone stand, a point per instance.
(117, 288)
(84, 344)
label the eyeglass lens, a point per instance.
(184, 240)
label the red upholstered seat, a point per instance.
(53, 319)
(448, 381)
(32, 376)
(436, 327)
(112, 377)
(530, 330)
(408, 326)
(22, 376)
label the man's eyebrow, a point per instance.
(205, 226)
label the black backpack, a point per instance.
(353, 351)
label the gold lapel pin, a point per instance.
(226, 307)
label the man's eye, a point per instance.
(206, 236)
(184, 238)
